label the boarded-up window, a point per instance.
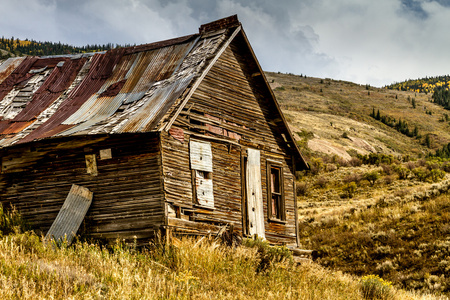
(201, 165)
(105, 154)
(91, 164)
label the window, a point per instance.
(201, 166)
(275, 196)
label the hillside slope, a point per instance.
(385, 212)
(333, 117)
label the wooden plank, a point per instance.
(204, 191)
(180, 223)
(71, 214)
(254, 194)
(200, 156)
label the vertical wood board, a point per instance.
(254, 194)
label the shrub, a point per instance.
(372, 177)
(11, 221)
(387, 169)
(355, 162)
(268, 255)
(316, 165)
(321, 182)
(446, 166)
(376, 159)
(421, 173)
(302, 188)
(385, 267)
(401, 171)
(330, 167)
(374, 287)
(354, 177)
(389, 179)
(436, 175)
(349, 190)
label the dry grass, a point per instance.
(193, 269)
(397, 228)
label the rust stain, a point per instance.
(113, 89)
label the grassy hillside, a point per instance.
(373, 201)
(340, 112)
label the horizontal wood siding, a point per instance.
(226, 182)
(227, 109)
(127, 190)
(176, 171)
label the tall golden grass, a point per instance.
(193, 269)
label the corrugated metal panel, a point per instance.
(144, 70)
(8, 66)
(28, 127)
(154, 107)
(71, 215)
(96, 104)
(18, 75)
(20, 96)
(124, 90)
(58, 81)
(101, 69)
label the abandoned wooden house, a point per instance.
(183, 134)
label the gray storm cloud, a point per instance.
(375, 42)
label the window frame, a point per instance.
(280, 217)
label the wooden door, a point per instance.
(254, 209)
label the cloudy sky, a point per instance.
(364, 41)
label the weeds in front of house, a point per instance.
(373, 287)
(189, 269)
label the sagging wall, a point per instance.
(126, 182)
(232, 117)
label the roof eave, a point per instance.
(301, 163)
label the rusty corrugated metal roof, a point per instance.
(117, 91)
(8, 66)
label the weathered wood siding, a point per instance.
(238, 117)
(37, 177)
(226, 183)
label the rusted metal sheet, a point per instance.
(8, 66)
(124, 90)
(104, 102)
(71, 215)
(101, 69)
(17, 76)
(57, 82)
